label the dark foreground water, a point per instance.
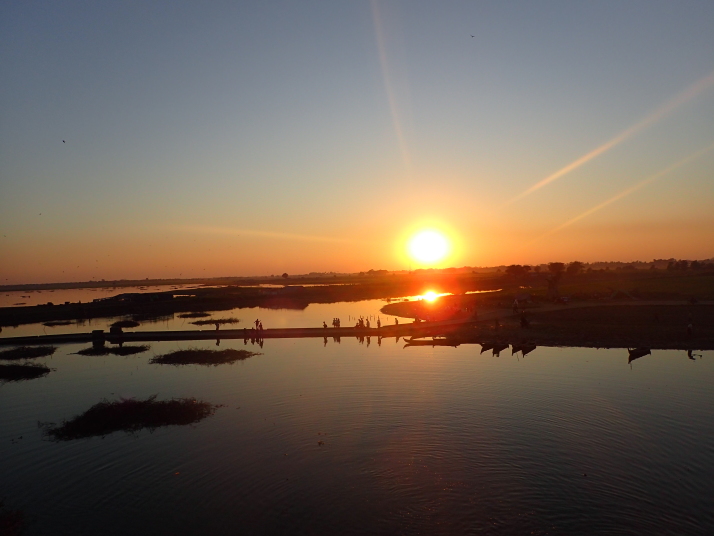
(416, 441)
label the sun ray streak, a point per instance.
(629, 190)
(389, 88)
(667, 108)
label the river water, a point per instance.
(416, 440)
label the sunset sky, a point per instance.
(255, 138)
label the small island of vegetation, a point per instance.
(131, 416)
(196, 356)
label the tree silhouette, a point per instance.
(574, 267)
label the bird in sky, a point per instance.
(65, 142)
(473, 36)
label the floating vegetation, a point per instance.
(194, 315)
(27, 352)
(214, 321)
(54, 323)
(195, 356)
(126, 324)
(114, 350)
(17, 373)
(130, 416)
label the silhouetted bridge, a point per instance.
(100, 336)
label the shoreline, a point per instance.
(661, 326)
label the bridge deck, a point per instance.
(414, 328)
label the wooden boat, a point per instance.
(636, 353)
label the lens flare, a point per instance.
(428, 247)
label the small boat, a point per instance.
(430, 342)
(498, 348)
(636, 353)
(527, 349)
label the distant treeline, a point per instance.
(336, 278)
(576, 267)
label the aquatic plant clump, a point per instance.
(27, 352)
(195, 356)
(194, 315)
(18, 373)
(126, 324)
(54, 323)
(114, 350)
(130, 416)
(213, 322)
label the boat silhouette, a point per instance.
(636, 353)
(498, 348)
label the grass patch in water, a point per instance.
(213, 322)
(114, 350)
(195, 356)
(126, 324)
(130, 416)
(27, 352)
(54, 323)
(18, 373)
(194, 315)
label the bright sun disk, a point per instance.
(428, 247)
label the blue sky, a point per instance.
(256, 138)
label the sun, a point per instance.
(428, 247)
(430, 296)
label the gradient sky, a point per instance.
(254, 138)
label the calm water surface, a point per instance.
(416, 441)
(310, 317)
